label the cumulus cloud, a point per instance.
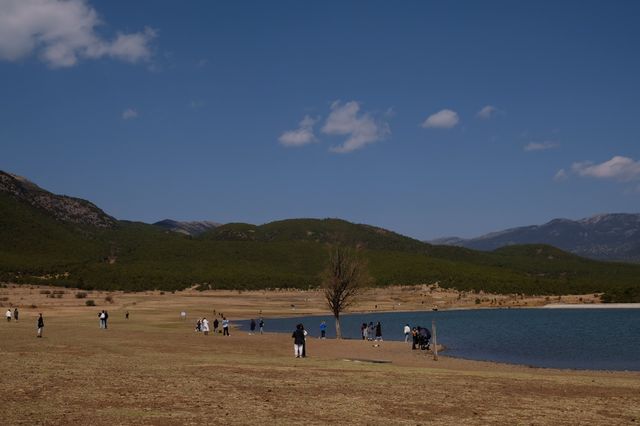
(540, 146)
(443, 119)
(618, 168)
(361, 129)
(129, 114)
(61, 32)
(301, 136)
(486, 112)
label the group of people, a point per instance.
(16, 314)
(202, 325)
(259, 324)
(420, 337)
(103, 316)
(371, 332)
(9, 314)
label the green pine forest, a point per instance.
(35, 248)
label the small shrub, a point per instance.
(90, 302)
(162, 293)
(478, 301)
(45, 291)
(59, 292)
(81, 295)
(108, 299)
(33, 306)
(4, 299)
(58, 296)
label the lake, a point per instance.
(596, 339)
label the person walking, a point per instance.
(261, 325)
(225, 326)
(252, 326)
(371, 332)
(15, 314)
(198, 325)
(407, 332)
(205, 326)
(216, 323)
(378, 332)
(323, 330)
(298, 341)
(8, 315)
(40, 325)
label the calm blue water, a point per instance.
(597, 339)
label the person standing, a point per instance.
(298, 341)
(15, 314)
(205, 326)
(252, 326)
(106, 317)
(363, 331)
(225, 326)
(261, 325)
(101, 316)
(323, 330)
(215, 325)
(40, 325)
(8, 315)
(304, 345)
(407, 332)
(378, 331)
(126, 315)
(371, 332)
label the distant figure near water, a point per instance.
(261, 325)
(252, 326)
(298, 341)
(323, 330)
(225, 326)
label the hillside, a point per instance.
(41, 246)
(193, 228)
(603, 237)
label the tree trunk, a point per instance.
(338, 332)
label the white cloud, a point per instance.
(444, 119)
(361, 129)
(561, 175)
(540, 146)
(63, 31)
(487, 112)
(303, 135)
(129, 114)
(618, 168)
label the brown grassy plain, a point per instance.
(153, 369)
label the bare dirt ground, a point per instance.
(154, 369)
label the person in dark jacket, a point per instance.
(216, 323)
(378, 331)
(414, 335)
(298, 341)
(15, 314)
(252, 326)
(40, 325)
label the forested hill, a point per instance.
(45, 243)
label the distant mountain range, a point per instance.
(62, 207)
(605, 237)
(55, 239)
(194, 228)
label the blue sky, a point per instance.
(428, 118)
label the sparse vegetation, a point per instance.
(90, 302)
(81, 295)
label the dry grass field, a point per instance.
(154, 369)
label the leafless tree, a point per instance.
(345, 277)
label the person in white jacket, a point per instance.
(9, 315)
(205, 326)
(407, 333)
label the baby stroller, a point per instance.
(424, 337)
